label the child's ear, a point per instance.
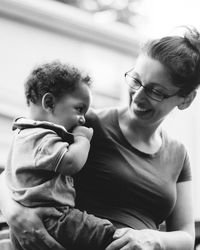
(48, 102)
(187, 100)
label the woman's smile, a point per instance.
(141, 111)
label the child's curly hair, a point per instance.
(53, 77)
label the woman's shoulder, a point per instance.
(100, 115)
(173, 143)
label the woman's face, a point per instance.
(151, 74)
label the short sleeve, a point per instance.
(185, 174)
(50, 152)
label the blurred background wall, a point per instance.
(36, 31)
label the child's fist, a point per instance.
(83, 131)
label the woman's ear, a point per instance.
(48, 102)
(187, 100)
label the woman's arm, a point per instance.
(26, 223)
(181, 219)
(180, 228)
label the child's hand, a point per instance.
(83, 131)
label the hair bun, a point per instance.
(192, 36)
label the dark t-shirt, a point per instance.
(125, 185)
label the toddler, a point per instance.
(50, 147)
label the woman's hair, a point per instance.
(181, 56)
(53, 77)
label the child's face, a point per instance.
(70, 110)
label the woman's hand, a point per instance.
(130, 239)
(29, 230)
(26, 223)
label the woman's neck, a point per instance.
(145, 138)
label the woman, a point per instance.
(136, 175)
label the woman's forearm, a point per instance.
(177, 240)
(2, 190)
(128, 238)
(26, 223)
(5, 199)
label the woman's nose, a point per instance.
(81, 120)
(138, 93)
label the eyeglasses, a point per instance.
(150, 91)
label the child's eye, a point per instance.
(79, 109)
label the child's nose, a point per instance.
(81, 120)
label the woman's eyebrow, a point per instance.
(135, 75)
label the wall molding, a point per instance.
(71, 21)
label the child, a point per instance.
(44, 155)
